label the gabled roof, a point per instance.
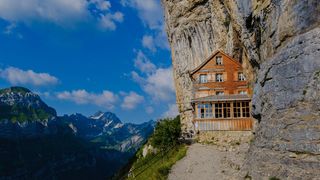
(209, 58)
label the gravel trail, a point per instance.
(210, 162)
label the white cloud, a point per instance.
(149, 11)
(158, 40)
(148, 42)
(102, 4)
(16, 76)
(159, 84)
(171, 112)
(151, 15)
(143, 63)
(60, 12)
(57, 11)
(108, 21)
(156, 82)
(106, 99)
(131, 100)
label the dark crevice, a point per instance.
(265, 79)
(257, 117)
(254, 63)
(190, 42)
(249, 22)
(200, 3)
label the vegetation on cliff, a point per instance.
(165, 152)
(19, 104)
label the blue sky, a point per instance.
(82, 56)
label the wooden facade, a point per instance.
(221, 95)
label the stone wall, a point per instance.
(278, 42)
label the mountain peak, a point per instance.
(20, 104)
(15, 89)
(105, 116)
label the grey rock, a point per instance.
(278, 43)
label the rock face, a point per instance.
(278, 43)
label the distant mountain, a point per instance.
(106, 128)
(35, 143)
(19, 104)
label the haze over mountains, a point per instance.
(36, 143)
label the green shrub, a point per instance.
(166, 134)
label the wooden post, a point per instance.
(231, 110)
(241, 115)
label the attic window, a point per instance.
(218, 60)
(241, 76)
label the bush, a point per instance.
(166, 134)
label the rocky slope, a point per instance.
(20, 104)
(278, 44)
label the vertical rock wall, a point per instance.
(278, 42)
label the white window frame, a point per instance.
(219, 60)
(219, 77)
(219, 93)
(204, 79)
(241, 76)
(243, 92)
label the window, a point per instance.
(219, 93)
(219, 77)
(245, 109)
(203, 78)
(208, 113)
(218, 110)
(242, 92)
(204, 111)
(241, 76)
(218, 60)
(236, 109)
(226, 110)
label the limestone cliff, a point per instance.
(278, 43)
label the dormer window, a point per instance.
(219, 77)
(241, 76)
(219, 60)
(242, 92)
(203, 78)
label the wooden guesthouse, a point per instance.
(221, 95)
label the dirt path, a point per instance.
(210, 162)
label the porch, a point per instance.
(223, 113)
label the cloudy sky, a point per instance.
(88, 55)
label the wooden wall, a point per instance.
(230, 85)
(243, 124)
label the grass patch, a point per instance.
(157, 166)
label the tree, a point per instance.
(166, 134)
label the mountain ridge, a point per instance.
(96, 146)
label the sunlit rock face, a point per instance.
(278, 43)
